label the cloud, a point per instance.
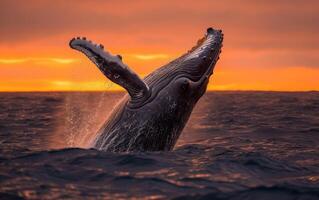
(253, 24)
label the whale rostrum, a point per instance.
(153, 114)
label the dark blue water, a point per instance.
(237, 145)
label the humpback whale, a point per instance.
(153, 114)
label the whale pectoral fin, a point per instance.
(112, 67)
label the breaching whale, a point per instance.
(153, 114)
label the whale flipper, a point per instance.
(112, 67)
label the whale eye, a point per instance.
(183, 84)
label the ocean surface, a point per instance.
(236, 145)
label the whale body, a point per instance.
(153, 114)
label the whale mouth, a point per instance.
(198, 64)
(213, 56)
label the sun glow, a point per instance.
(12, 61)
(284, 79)
(150, 56)
(37, 60)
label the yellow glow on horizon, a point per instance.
(150, 56)
(12, 61)
(86, 86)
(265, 79)
(45, 59)
(74, 72)
(62, 60)
(58, 85)
(286, 79)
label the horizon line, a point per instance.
(123, 91)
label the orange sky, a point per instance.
(268, 45)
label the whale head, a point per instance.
(174, 89)
(186, 78)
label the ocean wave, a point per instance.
(237, 145)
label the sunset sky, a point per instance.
(268, 45)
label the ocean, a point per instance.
(236, 145)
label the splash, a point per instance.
(80, 117)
